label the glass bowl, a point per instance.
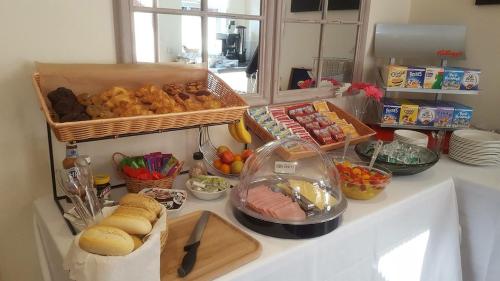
(358, 182)
(427, 159)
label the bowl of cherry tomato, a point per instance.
(359, 182)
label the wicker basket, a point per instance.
(136, 185)
(234, 109)
(163, 238)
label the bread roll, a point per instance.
(132, 224)
(106, 241)
(147, 214)
(141, 201)
(137, 241)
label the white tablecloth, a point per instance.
(409, 232)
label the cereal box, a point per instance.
(462, 115)
(444, 114)
(391, 111)
(452, 78)
(426, 113)
(415, 77)
(470, 80)
(409, 113)
(433, 77)
(396, 75)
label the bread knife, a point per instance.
(192, 244)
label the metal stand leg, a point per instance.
(56, 197)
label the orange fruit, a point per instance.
(237, 157)
(225, 169)
(217, 164)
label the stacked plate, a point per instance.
(475, 147)
(411, 137)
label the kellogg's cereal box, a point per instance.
(409, 113)
(396, 75)
(452, 78)
(426, 113)
(391, 111)
(444, 114)
(433, 77)
(470, 80)
(415, 77)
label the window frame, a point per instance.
(272, 21)
(286, 96)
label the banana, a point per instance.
(232, 130)
(242, 132)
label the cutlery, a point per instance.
(192, 244)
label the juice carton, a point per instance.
(470, 80)
(409, 113)
(462, 115)
(396, 75)
(415, 77)
(444, 114)
(433, 77)
(426, 113)
(452, 78)
(391, 111)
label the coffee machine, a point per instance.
(233, 42)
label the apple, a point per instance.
(236, 167)
(246, 153)
(221, 149)
(227, 157)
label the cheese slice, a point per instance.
(319, 197)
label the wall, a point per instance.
(482, 49)
(382, 11)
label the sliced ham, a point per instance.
(291, 212)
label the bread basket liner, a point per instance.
(142, 264)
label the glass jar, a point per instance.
(103, 187)
(199, 168)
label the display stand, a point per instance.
(57, 198)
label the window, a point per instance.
(243, 41)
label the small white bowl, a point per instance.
(203, 195)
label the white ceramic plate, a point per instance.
(474, 161)
(473, 144)
(203, 195)
(473, 158)
(478, 136)
(474, 149)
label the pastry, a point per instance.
(189, 102)
(84, 99)
(106, 241)
(132, 224)
(173, 89)
(65, 104)
(193, 87)
(203, 95)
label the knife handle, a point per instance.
(189, 259)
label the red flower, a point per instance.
(373, 92)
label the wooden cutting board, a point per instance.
(223, 248)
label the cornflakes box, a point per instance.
(452, 78)
(426, 113)
(433, 77)
(415, 77)
(462, 115)
(409, 113)
(444, 114)
(470, 81)
(395, 75)
(391, 111)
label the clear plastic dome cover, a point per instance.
(302, 191)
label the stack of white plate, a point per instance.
(411, 137)
(475, 147)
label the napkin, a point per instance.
(142, 264)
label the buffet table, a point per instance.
(409, 232)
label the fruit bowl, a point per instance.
(358, 182)
(213, 155)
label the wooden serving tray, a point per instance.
(223, 248)
(363, 130)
